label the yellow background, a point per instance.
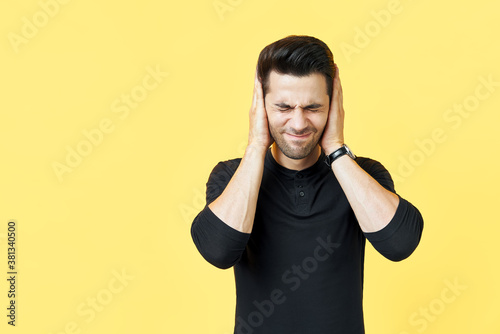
(127, 206)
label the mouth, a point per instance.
(298, 137)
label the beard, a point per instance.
(296, 150)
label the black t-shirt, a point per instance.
(300, 270)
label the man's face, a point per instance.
(297, 110)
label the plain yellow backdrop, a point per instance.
(114, 113)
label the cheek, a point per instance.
(276, 120)
(320, 121)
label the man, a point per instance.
(293, 226)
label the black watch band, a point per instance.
(329, 159)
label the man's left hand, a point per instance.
(333, 135)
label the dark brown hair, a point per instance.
(299, 56)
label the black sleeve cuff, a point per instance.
(220, 244)
(401, 236)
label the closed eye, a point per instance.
(282, 107)
(315, 107)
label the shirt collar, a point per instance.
(314, 169)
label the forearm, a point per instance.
(373, 205)
(236, 205)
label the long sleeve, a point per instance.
(402, 235)
(217, 242)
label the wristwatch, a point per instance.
(338, 153)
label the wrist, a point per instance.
(333, 147)
(256, 149)
(339, 153)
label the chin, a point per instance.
(296, 153)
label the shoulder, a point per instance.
(219, 178)
(227, 167)
(368, 163)
(377, 171)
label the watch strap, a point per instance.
(329, 159)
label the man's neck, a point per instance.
(293, 164)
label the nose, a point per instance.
(298, 121)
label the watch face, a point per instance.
(349, 152)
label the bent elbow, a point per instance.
(402, 247)
(397, 255)
(215, 253)
(219, 258)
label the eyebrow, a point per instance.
(311, 106)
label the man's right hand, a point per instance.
(258, 135)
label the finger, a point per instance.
(337, 91)
(340, 94)
(334, 102)
(338, 82)
(336, 79)
(254, 98)
(259, 92)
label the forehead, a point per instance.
(290, 88)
